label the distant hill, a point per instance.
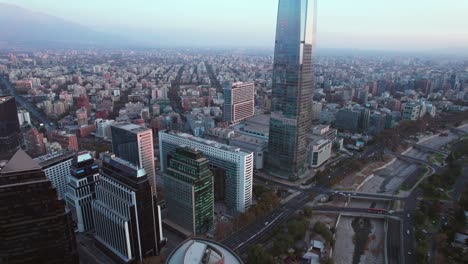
(19, 25)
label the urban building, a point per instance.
(24, 118)
(66, 140)
(126, 217)
(238, 101)
(235, 167)
(411, 111)
(252, 144)
(84, 176)
(35, 225)
(56, 167)
(134, 143)
(322, 139)
(10, 136)
(188, 185)
(293, 89)
(103, 128)
(33, 141)
(316, 110)
(255, 126)
(82, 116)
(377, 122)
(199, 250)
(347, 119)
(320, 151)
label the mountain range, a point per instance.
(23, 26)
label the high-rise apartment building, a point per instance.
(9, 127)
(81, 188)
(24, 118)
(56, 167)
(235, 167)
(316, 110)
(134, 143)
(238, 101)
(35, 227)
(126, 217)
(411, 111)
(292, 90)
(189, 193)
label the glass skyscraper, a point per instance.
(134, 143)
(293, 87)
(189, 191)
(9, 127)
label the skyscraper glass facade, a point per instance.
(135, 144)
(293, 86)
(188, 182)
(9, 127)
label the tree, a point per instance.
(326, 260)
(282, 243)
(419, 218)
(307, 211)
(258, 255)
(297, 228)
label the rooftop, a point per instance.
(211, 143)
(49, 159)
(202, 251)
(131, 127)
(5, 98)
(263, 120)
(250, 140)
(113, 160)
(20, 162)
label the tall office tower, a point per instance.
(126, 218)
(56, 167)
(135, 144)
(238, 101)
(292, 90)
(34, 225)
(9, 127)
(188, 184)
(233, 167)
(84, 175)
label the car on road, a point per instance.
(408, 215)
(391, 212)
(409, 252)
(407, 231)
(266, 223)
(424, 231)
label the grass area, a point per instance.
(437, 158)
(409, 184)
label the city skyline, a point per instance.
(367, 25)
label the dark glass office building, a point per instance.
(84, 176)
(9, 127)
(126, 217)
(134, 143)
(293, 87)
(35, 227)
(188, 182)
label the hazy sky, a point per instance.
(363, 24)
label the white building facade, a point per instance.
(237, 164)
